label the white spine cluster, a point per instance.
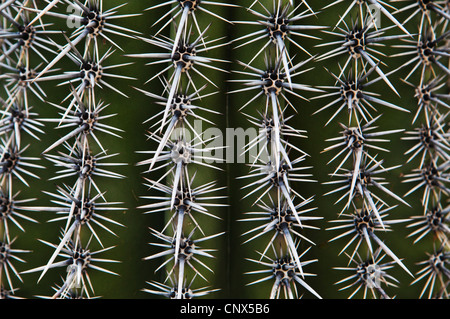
(181, 150)
(81, 158)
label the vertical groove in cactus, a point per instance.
(264, 149)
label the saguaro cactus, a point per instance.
(224, 149)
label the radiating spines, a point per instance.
(188, 200)
(279, 220)
(356, 141)
(83, 164)
(430, 97)
(427, 53)
(81, 209)
(359, 42)
(436, 273)
(8, 258)
(185, 202)
(278, 28)
(182, 10)
(78, 260)
(281, 269)
(186, 59)
(362, 181)
(88, 209)
(184, 105)
(13, 163)
(434, 223)
(13, 211)
(8, 294)
(182, 114)
(177, 157)
(278, 177)
(432, 140)
(189, 254)
(84, 120)
(19, 88)
(21, 47)
(363, 225)
(271, 82)
(94, 25)
(25, 38)
(368, 8)
(90, 72)
(426, 11)
(282, 222)
(18, 121)
(369, 274)
(181, 146)
(171, 291)
(272, 137)
(351, 93)
(432, 178)
(274, 153)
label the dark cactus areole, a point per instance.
(25, 76)
(4, 253)
(84, 210)
(284, 270)
(90, 73)
(427, 136)
(191, 4)
(183, 201)
(180, 106)
(354, 140)
(439, 262)
(79, 257)
(278, 25)
(431, 49)
(273, 81)
(186, 293)
(86, 165)
(278, 174)
(283, 218)
(363, 221)
(27, 35)
(9, 161)
(87, 120)
(17, 117)
(437, 218)
(424, 5)
(425, 50)
(181, 152)
(355, 41)
(431, 175)
(268, 125)
(182, 56)
(93, 20)
(5, 207)
(423, 94)
(186, 248)
(352, 93)
(5, 294)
